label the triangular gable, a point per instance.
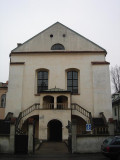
(71, 40)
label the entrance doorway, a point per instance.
(55, 131)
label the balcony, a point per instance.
(52, 106)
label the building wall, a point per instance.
(15, 88)
(23, 82)
(89, 144)
(72, 41)
(45, 116)
(101, 90)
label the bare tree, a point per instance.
(115, 77)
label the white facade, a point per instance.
(80, 55)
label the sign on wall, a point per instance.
(88, 127)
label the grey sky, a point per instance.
(97, 20)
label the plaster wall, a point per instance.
(101, 90)
(94, 83)
(57, 64)
(15, 89)
(72, 41)
(89, 144)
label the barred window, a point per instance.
(42, 81)
(72, 81)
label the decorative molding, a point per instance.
(17, 63)
(100, 63)
(56, 51)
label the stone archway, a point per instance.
(36, 125)
(48, 102)
(54, 130)
(81, 124)
(62, 102)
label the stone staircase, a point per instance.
(74, 106)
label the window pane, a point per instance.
(72, 81)
(69, 89)
(75, 90)
(39, 82)
(75, 75)
(69, 83)
(39, 75)
(45, 75)
(75, 83)
(45, 82)
(69, 75)
(42, 81)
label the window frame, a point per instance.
(43, 79)
(78, 79)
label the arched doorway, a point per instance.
(55, 130)
(81, 124)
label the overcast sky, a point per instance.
(97, 20)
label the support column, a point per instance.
(74, 140)
(41, 101)
(30, 135)
(69, 102)
(12, 136)
(55, 102)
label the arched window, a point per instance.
(3, 100)
(42, 81)
(57, 47)
(72, 81)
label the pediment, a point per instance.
(58, 34)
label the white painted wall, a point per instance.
(94, 84)
(101, 90)
(15, 90)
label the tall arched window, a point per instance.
(3, 100)
(57, 46)
(72, 81)
(42, 81)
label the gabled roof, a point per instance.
(72, 41)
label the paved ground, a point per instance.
(54, 151)
(52, 148)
